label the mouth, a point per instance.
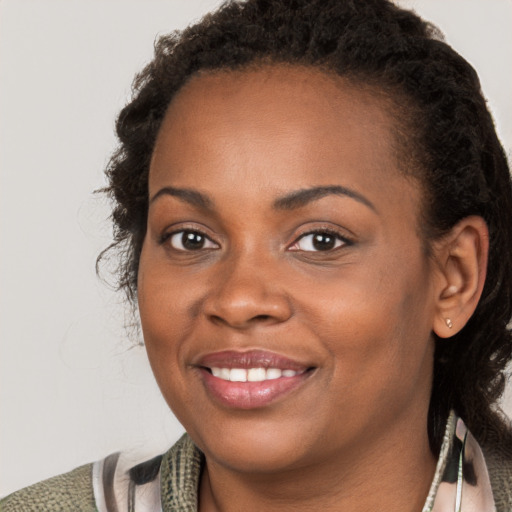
(251, 374)
(249, 380)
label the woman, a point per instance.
(313, 211)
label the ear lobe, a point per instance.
(462, 261)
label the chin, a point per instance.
(257, 458)
(261, 448)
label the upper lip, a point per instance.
(250, 359)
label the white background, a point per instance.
(72, 388)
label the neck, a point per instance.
(391, 474)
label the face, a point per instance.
(285, 296)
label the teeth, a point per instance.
(224, 373)
(238, 375)
(273, 373)
(256, 374)
(216, 372)
(252, 374)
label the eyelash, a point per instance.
(167, 238)
(339, 240)
(344, 241)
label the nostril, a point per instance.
(261, 317)
(216, 319)
(219, 320)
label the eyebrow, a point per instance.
(187, 195)
(302, 197)
(296, 199)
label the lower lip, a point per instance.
(251, 395)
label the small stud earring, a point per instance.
(449, 323)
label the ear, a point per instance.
(461, 256)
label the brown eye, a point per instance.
(318, 241)
(323, 241)
(191, 241)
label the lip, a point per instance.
(250, 395)
(250, 359)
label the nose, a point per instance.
(247, 293)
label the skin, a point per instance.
(353, 436)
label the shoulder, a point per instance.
(495, 438)
(70, 491)
(499, 466)
(164, 483)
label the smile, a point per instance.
(253, 379)
(251, 374)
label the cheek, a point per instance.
(377, 323)
(162, 312)
(165, 303)
(163, 315)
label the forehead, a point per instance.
(291, 126)
(299, 97)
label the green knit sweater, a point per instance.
(180, 471)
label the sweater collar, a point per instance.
(461, 481)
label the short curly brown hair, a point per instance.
(450, 137)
